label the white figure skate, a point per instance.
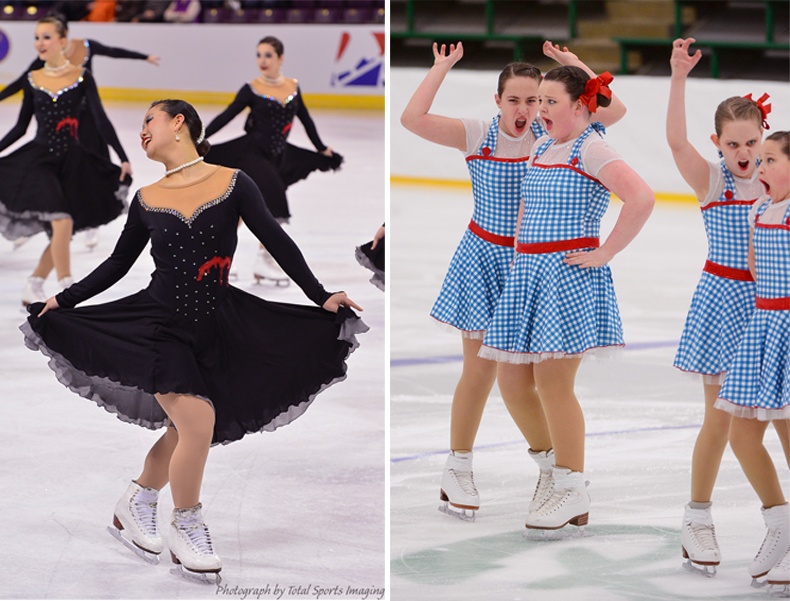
(266, 268)
(568, 504)
(91, 237)
(34, 291)
(779, 578)
(458, 492)
(135, 522)
(191, 549)
(698, 542)
(545, 486)
(775, 544)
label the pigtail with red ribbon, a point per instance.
(595, 86)
(765, 109)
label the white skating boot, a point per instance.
(545, 486)
(65, 282)
(20, 241)
(775, 544)
(191, 548)
(135, 522)
(698, 541)
(266, 268)
(458, 487)
(568, 504)
(779, 578)
(91, 237)
(34, 291)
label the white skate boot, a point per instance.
(568, 504)
(545, 486)
(65, 282)
(34, 291)
(458, 487)
(775, 544)
(779, 578)
(266, 268)
(698, 542)
(91, 238)
(191, 548)
(135, 522)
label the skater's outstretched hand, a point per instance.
(50, 305)
(340, 299)
(564, 57)
(681, 61)
(378, 237)
(153, 59)
(328, 152)
(448, 60)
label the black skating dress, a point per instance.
(89, 132)
(55, 176)
(373, 259)
(263, 151)
(260, 364)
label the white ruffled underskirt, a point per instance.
(759, 413)
(500, 356)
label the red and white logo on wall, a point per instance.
(359, 60)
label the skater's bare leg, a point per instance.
(45, 264)
(59, 247)
(471, 394)
(555, 381)
(194, 421)
(782, 427)
(156, 469)
(746, 440)
(517, 386)
(709, 448)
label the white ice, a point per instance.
(300, 507)
(642, 418)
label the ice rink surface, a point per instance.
(291, 512)
(642, 418)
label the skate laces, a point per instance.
(199, 537)
(144, 513)
(770, 541)
(465, 481)
(704, 535)
(545, 487)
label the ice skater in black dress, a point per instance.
(371, 256)
(191, 352)
(80, 53)
(54, 183)
(263, 151)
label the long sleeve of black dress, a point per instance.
(242, 100)
(99, 49)
(22, 123)
(309, 126)
(19, 82)
(264, 226)
(102, 121)
(133, 239)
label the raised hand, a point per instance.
(564, 57)
(455, 54)
(681, 61)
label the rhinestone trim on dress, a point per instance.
(198, 211)
(53, 95)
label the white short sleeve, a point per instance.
(476, 131)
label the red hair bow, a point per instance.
(765, 109)
(595, 86)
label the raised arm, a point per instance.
(416, 118)
(608, 115)
(240, 102)
(692, 166)
(99, 49)
(22, 123)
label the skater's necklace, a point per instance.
(182, 167)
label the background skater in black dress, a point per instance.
(55, 183)
(80, 53)
(190, 352)
(263, 151)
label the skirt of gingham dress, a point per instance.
(549, 309)
(724, 299)
(757, 385)
(479, 267)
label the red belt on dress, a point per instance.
(743, 275)
(774, 304)
(489, 237)
(537, 248)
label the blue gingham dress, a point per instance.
(479, 268)
(549, 309)
(721, 305)
(757, 385)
